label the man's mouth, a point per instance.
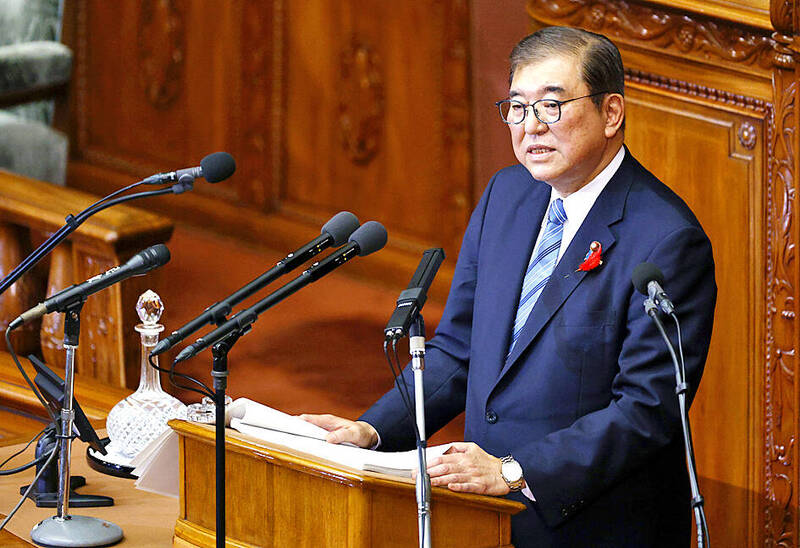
(539, 149)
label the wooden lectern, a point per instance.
(276, 497)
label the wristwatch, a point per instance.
(512, 473)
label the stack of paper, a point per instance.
(157, 464)
(271, 425)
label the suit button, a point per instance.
(491, 417)
(564, 512)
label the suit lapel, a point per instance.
(607, 210)
(506, 261)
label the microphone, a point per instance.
(368, 238)
(213, 168)
(413, 298)
(648, 280)
(334, 233)
(144, 261)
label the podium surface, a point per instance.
(276, 496)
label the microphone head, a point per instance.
(369, 237)
(217, 167)
(150, 258)
(340, 227)
(643, 274)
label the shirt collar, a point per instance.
(578, 204)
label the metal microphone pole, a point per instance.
(680, 389)
(220, 374)
(64, 529)
(416, 344)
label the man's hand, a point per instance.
(341, 430)
(468, 469)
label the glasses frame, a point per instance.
(499, 105)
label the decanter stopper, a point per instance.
(141, 417)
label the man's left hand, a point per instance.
(468, 469)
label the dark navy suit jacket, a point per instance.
(586, 401)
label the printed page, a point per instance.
(250, 413)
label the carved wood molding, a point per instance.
(781, 345)
(456, 120)
(361, 106)
(261, 33)
(697, 90)
(680, 33)
(161, 50)
(781, 13)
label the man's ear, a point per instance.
(614, 109)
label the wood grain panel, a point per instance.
(696, 150)
(305, 501)
(371, 117)
(326, 107)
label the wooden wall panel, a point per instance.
(325, 107)
(697, 150)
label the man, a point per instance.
(559, 369)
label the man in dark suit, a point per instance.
(568, 388)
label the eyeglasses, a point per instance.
(547, 111)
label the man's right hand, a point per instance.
(341, 430)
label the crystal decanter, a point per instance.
(141, 417)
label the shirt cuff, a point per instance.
(527, 492)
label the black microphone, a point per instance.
(213, 168)
(144, 261)
(648, 280)
(368, 238)
(411, 301)
(334, 233)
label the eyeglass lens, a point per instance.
(513, 112)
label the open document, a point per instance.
(157, 464)
(273, 426)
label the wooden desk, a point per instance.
(278, 497)
(146, 519)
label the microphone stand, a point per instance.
(64, 529)
(416, 344)
(680, 390)
(220, 373)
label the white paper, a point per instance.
(250, 413)
(399, 463)
(157, 465)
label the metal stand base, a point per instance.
(76, 531)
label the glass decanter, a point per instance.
(141, 417)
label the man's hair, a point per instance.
(600, 61)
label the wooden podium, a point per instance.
(276, 497)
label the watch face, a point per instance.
(511, 471)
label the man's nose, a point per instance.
(532, 124)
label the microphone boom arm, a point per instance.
(72, 224)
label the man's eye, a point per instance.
(549, 104)
(516, 106)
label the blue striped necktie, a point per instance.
(543, 261)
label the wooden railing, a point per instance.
(109, 346)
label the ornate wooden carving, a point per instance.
(52, 333)
(679, 33)
(781, 13)
(162, 50)
(257, 105)
(457, 131)
(361, 108)
(696, 90)
(747, 135)
(781, 345)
